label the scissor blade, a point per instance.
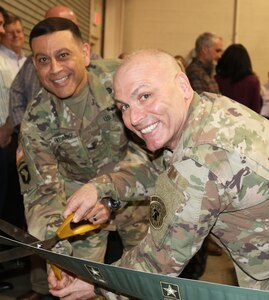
(19, 252)
(16, 232)
(47, 244)
(14, 253)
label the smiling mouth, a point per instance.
(61, 80)
(149, 129)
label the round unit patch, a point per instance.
(157, 212)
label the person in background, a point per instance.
(265, 99)
(236, 78)
(208, 50)
(12, 42)
(3, 149)
(11, 51)
(216, 179)
(12, 59)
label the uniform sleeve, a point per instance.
(133, 177)
(41, 184)
(182, 211)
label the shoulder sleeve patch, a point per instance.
(28, 175)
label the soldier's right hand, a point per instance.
(81, 202)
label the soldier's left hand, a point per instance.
(71, 289)
(56, 284)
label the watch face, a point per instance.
(114, 204)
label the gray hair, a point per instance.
(205, 39)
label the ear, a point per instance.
(87, 53)
(184, 85)
(204, 49)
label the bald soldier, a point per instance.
(217, 175)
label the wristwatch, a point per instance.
(112, 204)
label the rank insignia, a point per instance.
(157, 212)
(95, 273)
(170, 291)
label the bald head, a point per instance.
(155, 57)
(61, 12)
(153, 95)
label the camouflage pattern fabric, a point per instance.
(66, 143)
(217, 182)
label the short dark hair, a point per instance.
(51, 25)
(4, 13)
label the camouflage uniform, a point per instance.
(217, 181)
(66, 143)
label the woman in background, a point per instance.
(236, 78)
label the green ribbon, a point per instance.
(142, 285)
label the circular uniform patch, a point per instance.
(157, 212)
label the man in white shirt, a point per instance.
(11, 60)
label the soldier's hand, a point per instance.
(55, 284)
(100, 214)
(70, 288)
(82, 202)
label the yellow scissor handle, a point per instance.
(65, 231)
(57, 272)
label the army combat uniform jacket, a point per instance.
(217, 181)
(66, 143)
